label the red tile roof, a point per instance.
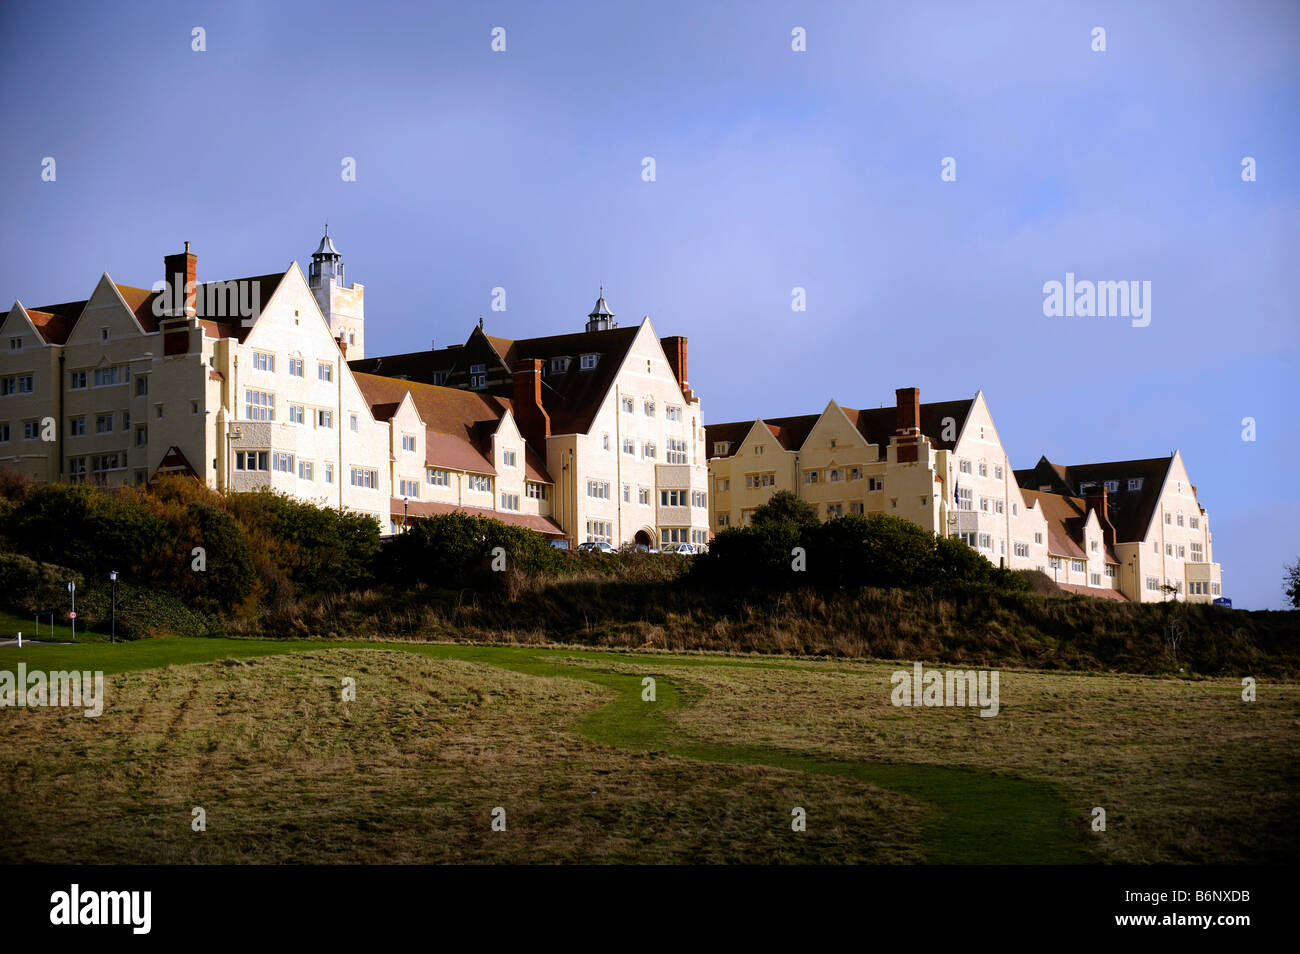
(425, 508)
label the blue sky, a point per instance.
(775, 169)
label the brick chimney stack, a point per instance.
(908, 427)
(533, 421)
(675, 349)
(1097, 500)
(180, 271)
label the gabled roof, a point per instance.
(1059, 511)
(54, 323)
(876, 425)
(1130, 511)
(458, 424)
(572, 399)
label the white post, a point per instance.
(20, 640)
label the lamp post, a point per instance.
(405, 501)
(112, 632)
(72, 616)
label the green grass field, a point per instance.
(255, 733)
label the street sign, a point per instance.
(72, 587)
(1224, 602)
(72, 615)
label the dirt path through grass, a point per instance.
(981, 817)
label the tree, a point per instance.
(785, 507)
(1291, 584)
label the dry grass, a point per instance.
(408, 773)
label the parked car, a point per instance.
(643, 548)
(684, 549)
(560, 544)
(595, 546)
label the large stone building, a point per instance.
(613, 429)
(943, 467)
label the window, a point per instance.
(1112, 486)
(1194, 523)
(1093, 546)
(158, 411)
(986, 541)
(758, 449)
(32, 430)
(1015, 509)
(629, 446)
(510, 502)
(1169, 517)
(440, 377)
(26, 384)
(559, 365)
(259, 405)
(77, 381)
(1153, 583)
(589, 361)
(598, 489)
(970, 539)
(721, 448)
(1077, 566)
(964, 466)
(194, 408)
(436, 477)
(674, 534)
(324, 371)
(329, 473)
(142, 385)
(103, 334)
(649, 408)
(984, 469)
(76, 470)
(604, 442)
(672, 498)
(628, 406)
(1022, 550)
(365, 477)
(878, 483)
(305, 469)
(141, 436)
(1180, 518)
(480, 483)
(965, 499)
(295, 367)
(408, 488)
(509, 459)
(477, 381)
(1215, 588)
(1198, 553)
(627, 493)
(107, 377)
(724, 519)
(282, 463)
(834, 510)
(858, 508)
(103, 423)
(1055, 562)
(835, 476)
(1038, 536)
(643, 496)
(811, 476)
(296, 414)
(352, 423)
(16, 344)
(76, 427)
(1112, 571)
(600, 531)
(676, 451)
(998, 507)
(535, 491)
(997, 471)
(263, 362)
(984, 504)
(722, 484)
(672, 412)
(324, 418)
(1095, 579)
(102, 464)
(408, 442)
(699, 499)
(1135, 483)
(648, 450)
(1182, 552)
(252, 460)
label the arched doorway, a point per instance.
(643, 538)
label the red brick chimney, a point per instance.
(1097, 500)
(675, 348)
(180, 271)
(908, 428)
(533, 421)
(343, 345)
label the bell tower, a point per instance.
(343, 305)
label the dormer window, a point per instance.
(559, 365)
(589, 361)
(1112, 486)
(1135, 483)
(721, 448)
(478, 375)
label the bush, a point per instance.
(457, 548)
